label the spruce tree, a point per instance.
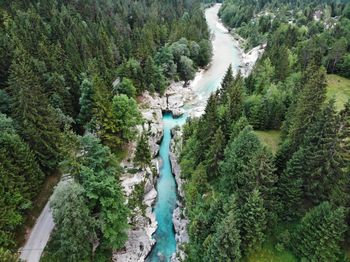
(143, 153)
(209, 124)
(215, 154)
(235, 94)
(86, 102)
(20, 177)
(237, 154)
(253, 222)
(325, 163)
(290, 185)
(260, 173)
(224, 244)
(319, 234)
(305, 110)
(225, 83)
(38, 122)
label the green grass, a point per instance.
(270, 138)
(339, 88)
(269, 254)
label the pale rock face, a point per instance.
(142, 227)
(140, 241)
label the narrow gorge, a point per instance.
(168, 222)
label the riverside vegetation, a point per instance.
(61, 108)
(70, 74)
(244, 202)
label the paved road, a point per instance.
(32, 250)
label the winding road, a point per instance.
(33, 248)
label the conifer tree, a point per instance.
(154, 77)
(208, 123)
(237, 154)
(260, 173)
(253, 220)
(324, 153)
(20, 177)
(143, 153)
(225, 83)
(86, 102)
(319, 234)
(215, 153)
(290, 185)
(235, 95)
(306, 108)
(224, 244)
(37, 120)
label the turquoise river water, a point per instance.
(224, 54)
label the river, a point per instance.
(224, 53)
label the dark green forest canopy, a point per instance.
(288, 206)
(58, 63)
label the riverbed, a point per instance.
(225, 52)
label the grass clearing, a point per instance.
(270, 138)
(269, 254)
(339, 88)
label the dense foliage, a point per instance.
(240, 197)
(78, 66)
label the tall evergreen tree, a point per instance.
(224, 244)
(325, 161)
(308, 104)
(20, 177)
(318, 236)
(143, 153)
(253, 219)
(215, 154)
(86, 102)
(225, 83)
(237, 154)
(235, 95)
(38, 122)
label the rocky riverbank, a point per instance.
(180, 219)
(178, 99)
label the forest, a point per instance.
(70, 75)
(245, 201)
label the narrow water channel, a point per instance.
(224, 54)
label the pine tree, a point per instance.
(30, 108)
(154, 77)
(215, 154)
(260, 173)
(253, 220)
(263, 76)
(235, 95)
(290, 185)
(143, 153)
(324, 153)
(224, 244)
(209, 124)
(86, 102)
(237, 127)
(225, 83)
(305, 109)
(237, 154)
(319, 234)
(20, 177)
